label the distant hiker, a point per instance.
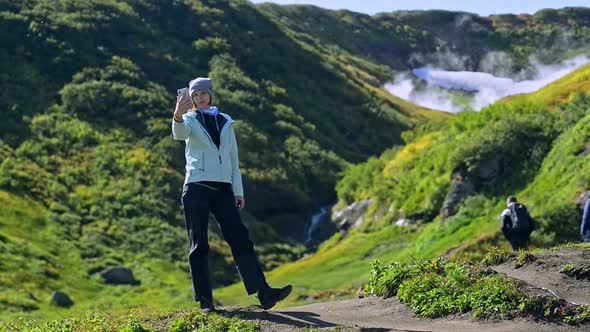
(585, 229)
(517, 224)
(213, 182)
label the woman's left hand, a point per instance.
(240, 202)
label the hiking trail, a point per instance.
(539, 274)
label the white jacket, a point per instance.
(204, 161)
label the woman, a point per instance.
(213, 182)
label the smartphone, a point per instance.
(185, 102)
(182, 92)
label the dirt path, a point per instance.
(380, 315)
(543, 272)
(539, 275)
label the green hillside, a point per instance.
(90, 177)
(453, 40)
(88, 89)
(533, 146)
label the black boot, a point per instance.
(206, 305)
(269, 296)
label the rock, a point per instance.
(119, 275)
(451, 252)
(402, 222)
(360, 293)
(61, 299)
(488, 271)
(461, 188)
(585, 151)
(352, 215)
(358, 222)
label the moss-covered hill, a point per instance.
(532, 146)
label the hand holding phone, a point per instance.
(183, 102)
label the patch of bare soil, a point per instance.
(375, 314)
(542, 270)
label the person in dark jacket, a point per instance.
(585, 228)
(213, 183)
(517, 224)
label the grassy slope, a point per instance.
(39, 263)
(344, 264)
(161, 280)
(277, 99)
(137, 320)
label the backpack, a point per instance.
(521, 219)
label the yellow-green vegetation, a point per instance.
(137, 320)
(37, 261)
(536, 153)
(575, 245)
(339, 267)
(563, 90)
(496, 256)
(576, 271)
(23, 230)
(440, 287)
(90, 177)
(582, 315)
(524, 147)
(523, 258)
(86, 129)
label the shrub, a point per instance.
(439, 287)
(496, 256)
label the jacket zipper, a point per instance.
(203, 161)
(211, 139)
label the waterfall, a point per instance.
(317, 219)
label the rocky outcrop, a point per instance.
(352, 215)
(461, 188)
(61, 299)
(466, 183)
(119, 275)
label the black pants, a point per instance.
(198, 199)
(518, 239)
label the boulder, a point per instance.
(61, 299)
(352, 215)
(119, 275)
